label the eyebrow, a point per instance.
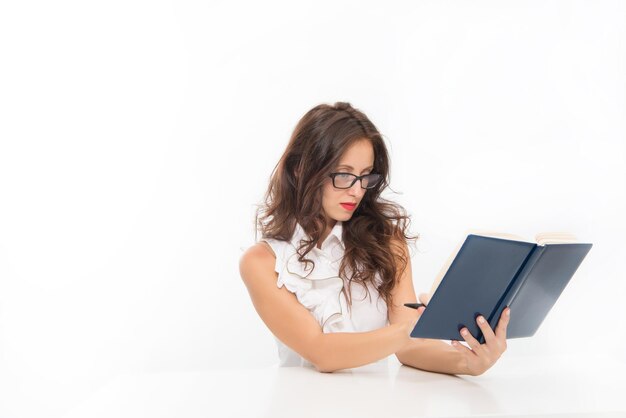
(352, 168)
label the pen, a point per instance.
(413, 305)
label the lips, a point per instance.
(348, 206)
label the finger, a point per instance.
(490, 337)
(421, 310)
(469, 338)
(503, 323)
(461, 348)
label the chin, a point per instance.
(343, 217)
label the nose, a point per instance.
(356, 190)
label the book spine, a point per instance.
(516, 284)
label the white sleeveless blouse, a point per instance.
(319, 289)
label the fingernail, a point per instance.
(508, 312)
(464, 331)
(481, 320)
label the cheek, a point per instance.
(329, 195)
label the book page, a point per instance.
(544, 238)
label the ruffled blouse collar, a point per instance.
(327, 258)
(336, 233)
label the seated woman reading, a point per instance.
(331, 272)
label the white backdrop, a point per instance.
(137, 138)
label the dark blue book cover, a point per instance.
(487, 275)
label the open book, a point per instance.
(489, 271)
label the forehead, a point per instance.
(358, 154)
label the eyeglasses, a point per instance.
(347, 180)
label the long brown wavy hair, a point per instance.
(376, 232)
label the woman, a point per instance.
(332, 271)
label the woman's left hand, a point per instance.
(480, 357)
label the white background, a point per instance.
(137, 138)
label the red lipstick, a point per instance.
(348, 206)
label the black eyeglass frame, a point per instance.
(376, 182)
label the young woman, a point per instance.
(332, 270)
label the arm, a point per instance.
(435, 355)
(420, 353)
(294, 325)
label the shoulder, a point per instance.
(399, 246)
(260, 253)
(258, 258)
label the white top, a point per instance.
(319, 289)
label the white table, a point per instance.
(514, 388)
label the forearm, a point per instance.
(433, 356)
(344, 350)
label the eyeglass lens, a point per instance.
(346, 180)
